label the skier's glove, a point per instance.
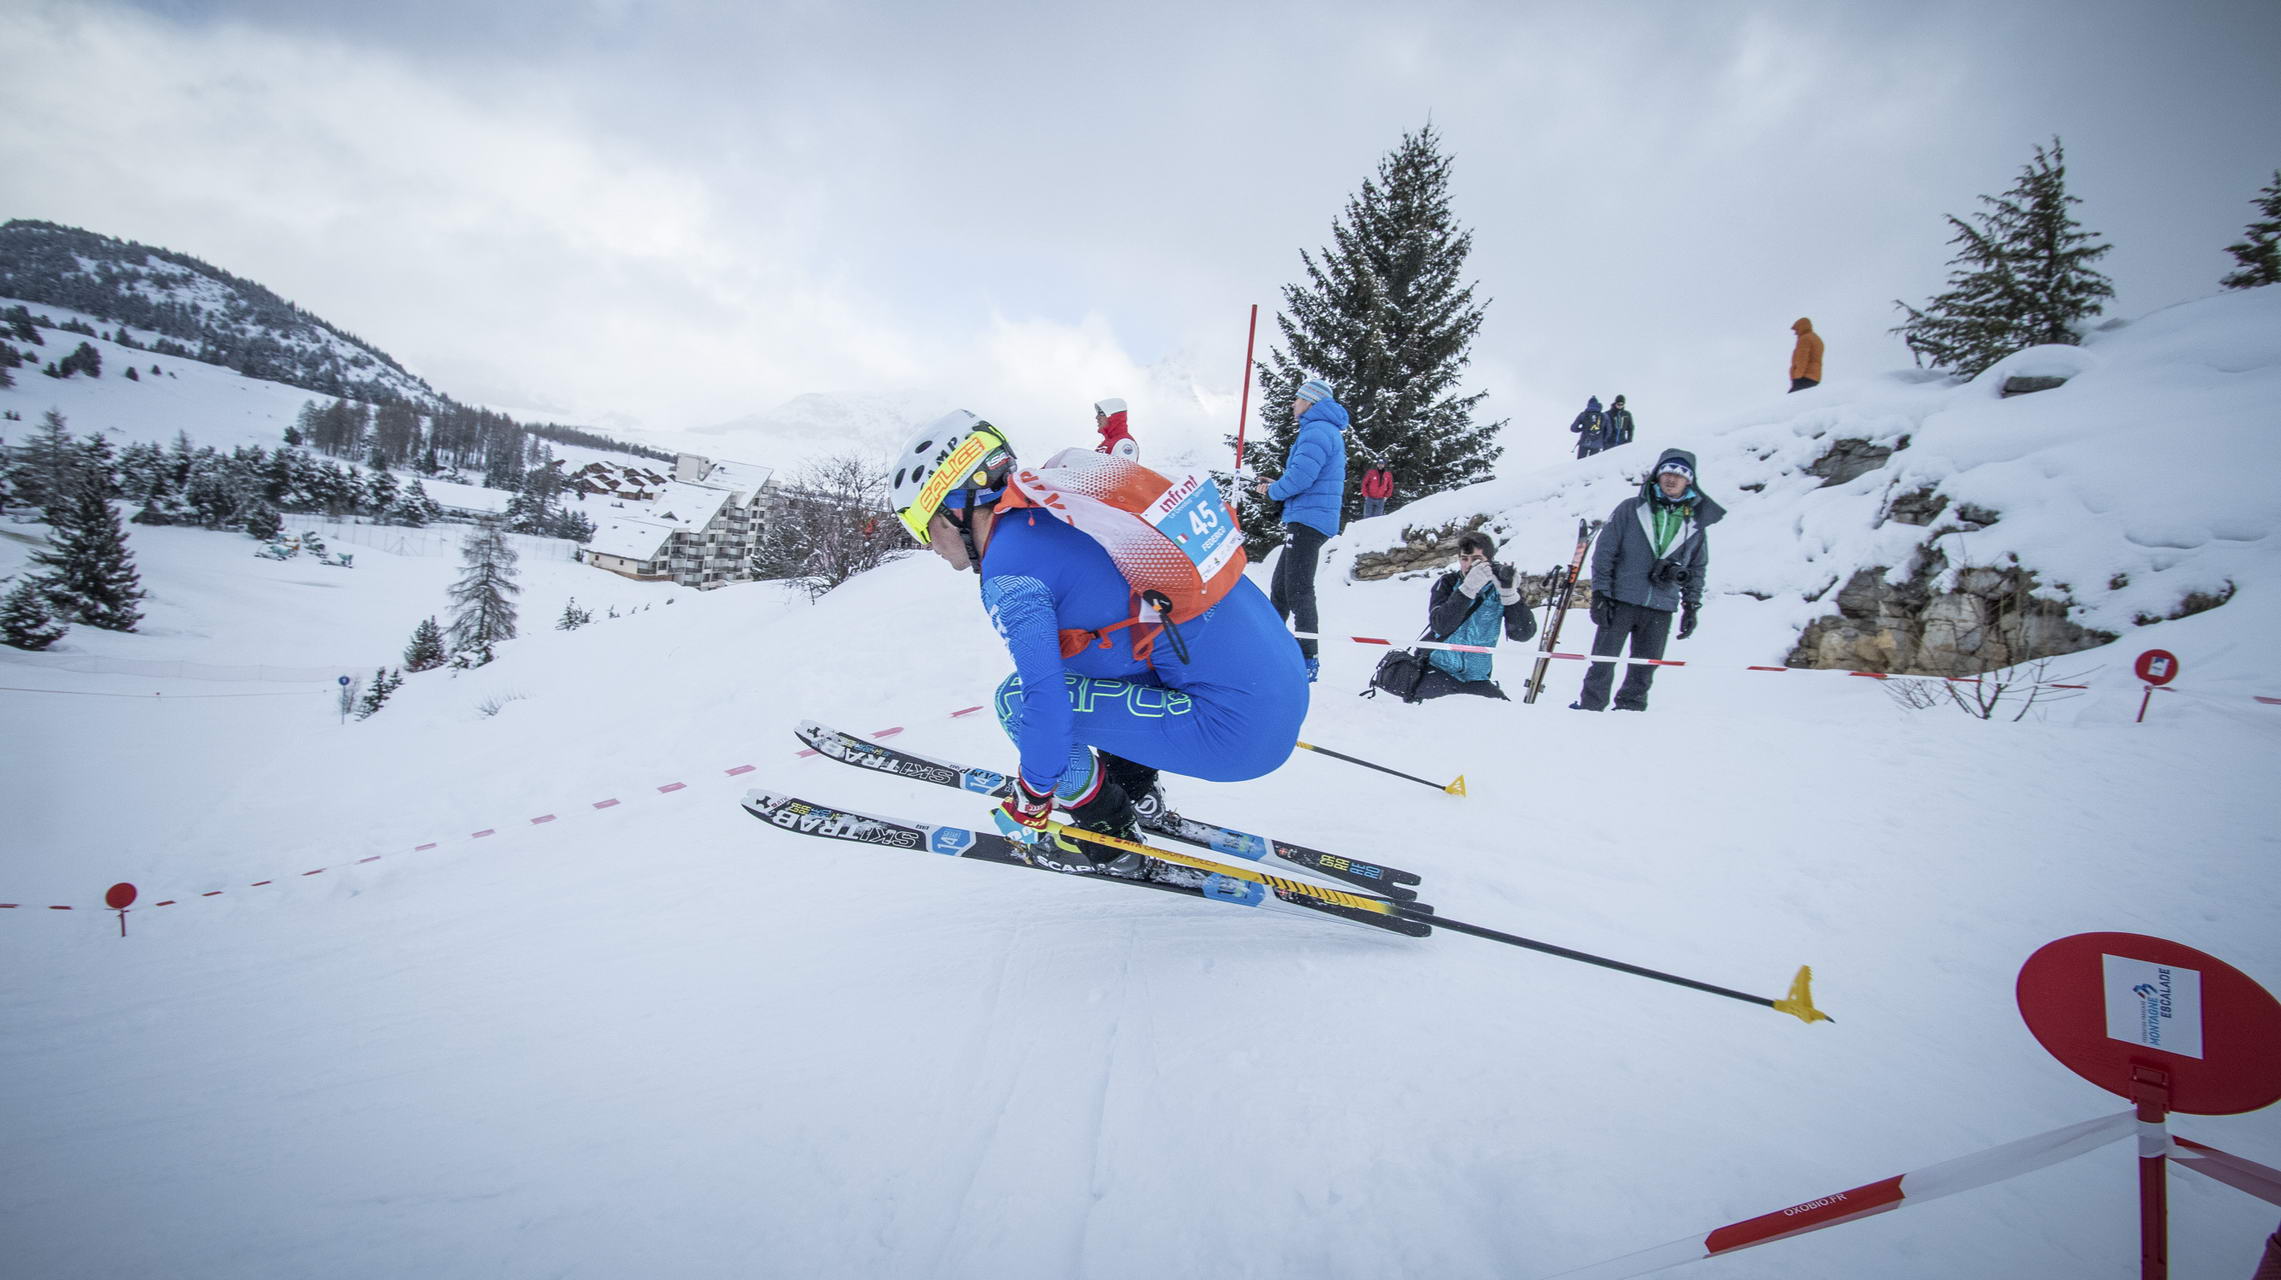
(1687, 620)
(1022, 816)
(1603, 608)
(1477, 580)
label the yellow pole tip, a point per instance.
(1799, 1003)
(1456, 788)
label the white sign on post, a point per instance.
(2156, 1005)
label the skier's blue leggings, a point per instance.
(1212, 732)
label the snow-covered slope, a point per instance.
(2140, 483)
(506, 1029)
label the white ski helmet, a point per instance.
(955, 462)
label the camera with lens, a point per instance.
(1666, 573)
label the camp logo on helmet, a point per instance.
(951, 473)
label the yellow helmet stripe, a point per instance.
(953, 472)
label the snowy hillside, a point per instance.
(196, 310)
(503, 982)
(2132, 489)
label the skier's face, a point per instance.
(943, 540)
(1299, 407)
(1672, 483)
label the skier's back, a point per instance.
(1219, 696)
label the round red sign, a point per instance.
(2103, 1002)
(2157, 666)
(120, 897)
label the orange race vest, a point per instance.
(1176, 541)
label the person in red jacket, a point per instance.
(1377, 487)
(1116, 439)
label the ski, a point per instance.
(1560, 587)
(845, 747)
(1163, 870)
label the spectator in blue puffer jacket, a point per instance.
(1313, 492)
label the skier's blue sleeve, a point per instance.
(1022, 609)
(1300, 468)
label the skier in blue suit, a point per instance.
(1312, 490)
(1225, 703)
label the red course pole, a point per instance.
(1243, 411)
(2150, 1089)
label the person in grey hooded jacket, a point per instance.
(1650, 563)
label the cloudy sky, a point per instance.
(668, 215)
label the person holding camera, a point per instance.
(1473, 604)
(1650, 563)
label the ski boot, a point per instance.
(1109, 813)
(1139, 783)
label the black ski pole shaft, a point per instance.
(1456, 788)
(1798, 1004)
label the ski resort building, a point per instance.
(698, 528)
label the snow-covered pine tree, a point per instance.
(413, 507)
(482, 613)
(91, 574)
(572, 617)
(265, 523)
(375, 694)
(45, 469)
(2259, 252)
(380, 493)
(27, 619)
(426, 651)
(2020, 278)
(1385, 316)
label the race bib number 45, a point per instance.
(1194, 515)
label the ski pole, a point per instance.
(1456, 788)
(1799, 1003)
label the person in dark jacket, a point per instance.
(1650, 562)
(1590, 427)
(1473, 604)
(1618, 427)
(1312, 490)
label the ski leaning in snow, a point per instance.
(1164, 870)
(1560, 589)
(845, 747)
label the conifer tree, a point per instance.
(92, 575)
(482, 612)
(1386, 317)
(384, 683)
(2259, 251)
(572, 617)
(46, 469)
(2021, 277)
(27, 619)
(413, 507)
(426, 652)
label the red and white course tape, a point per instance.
(540, 820)
(1899, 1192)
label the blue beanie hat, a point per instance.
(1314, 391)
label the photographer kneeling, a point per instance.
(1472, 605)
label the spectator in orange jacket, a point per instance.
(1377, 487)
(1806, 357)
